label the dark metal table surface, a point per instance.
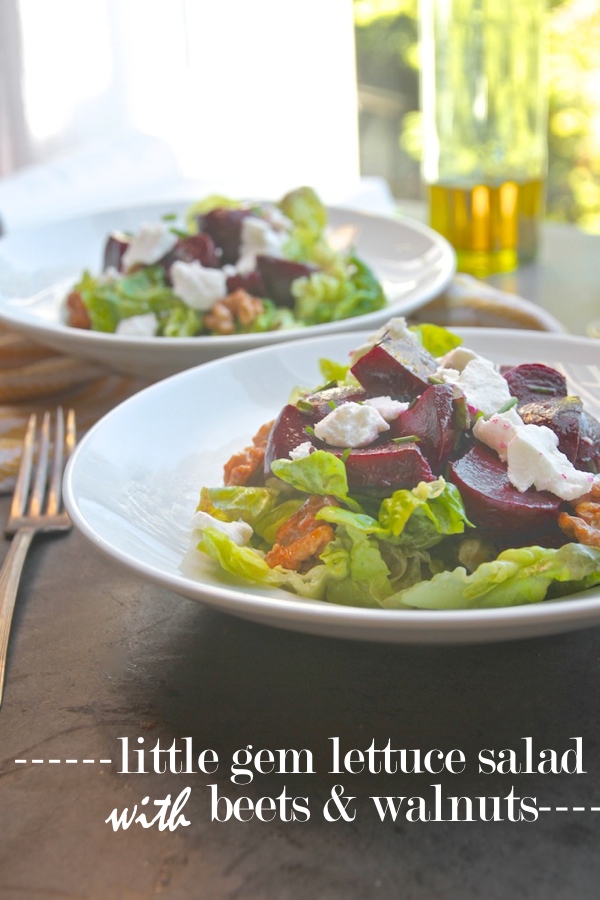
(103, 666)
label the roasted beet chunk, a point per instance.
(252, 283)
(196, 247)
(437, 419)
(563, 416)
(279, 274)
(324, 401)
(588, 455)
(395, 367)
(493, 503)
(385, 467)
(288, 432)
(531, 382)
(116, 245)
(225, 228)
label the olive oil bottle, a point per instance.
(484, 107)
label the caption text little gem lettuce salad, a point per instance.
(420, 476)
(228, 268)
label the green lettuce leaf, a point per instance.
(517, 576)
(326, 297)
(141, 292)
(436, 339)
(319, 473)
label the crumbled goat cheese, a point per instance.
(258, 237)
(457, 358)
(145, 325)
(534, 460)
(351, 425)
(498, 431)
(239, 532)
(485, 389)
(301, 451)
(532, 456)
(150, 244)
(197, 285)
(387, 408)
(396, 329)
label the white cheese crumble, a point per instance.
(534, 460)
(351, 425)
(145, 325)
(498, 431)
(532, 456)
(387, 408)
(485, 389)
(239, 532)
(457, 358)
(301, 451)
(197, 285)
(258, 237)
(150, 244)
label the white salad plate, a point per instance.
(133, 484)
(38, 266)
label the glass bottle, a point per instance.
(484, 108)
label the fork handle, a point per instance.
(10, 575)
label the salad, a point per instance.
(420, 475)
(227, 268)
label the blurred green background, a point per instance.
(387, 56)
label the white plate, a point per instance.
(133, 484)
(39, 265)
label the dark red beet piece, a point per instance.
(436, 420)
(289, 430)
(383, 467)
(198, 247)
(116, 245)
(279, 274)
(563, 416)
(395, 367)
(324, 401)
(493, 503)
(535, 381)
(588, 454)
(225, 228)
(251, 282)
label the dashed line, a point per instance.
(104, 762)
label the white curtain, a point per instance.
(254, 94)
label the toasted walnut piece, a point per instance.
(219, 319)
(77, 312)
(580, 530)
(293, 555)
(237, 307)
(244, 306)
(302, 536)
(243, 467)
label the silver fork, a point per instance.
(36, 507)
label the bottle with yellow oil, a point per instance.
(484, 108)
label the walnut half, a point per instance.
(237, 307)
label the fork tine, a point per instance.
(41, 472)
(71, 433)
(64, 444)
(54, 492)
(24, 477)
